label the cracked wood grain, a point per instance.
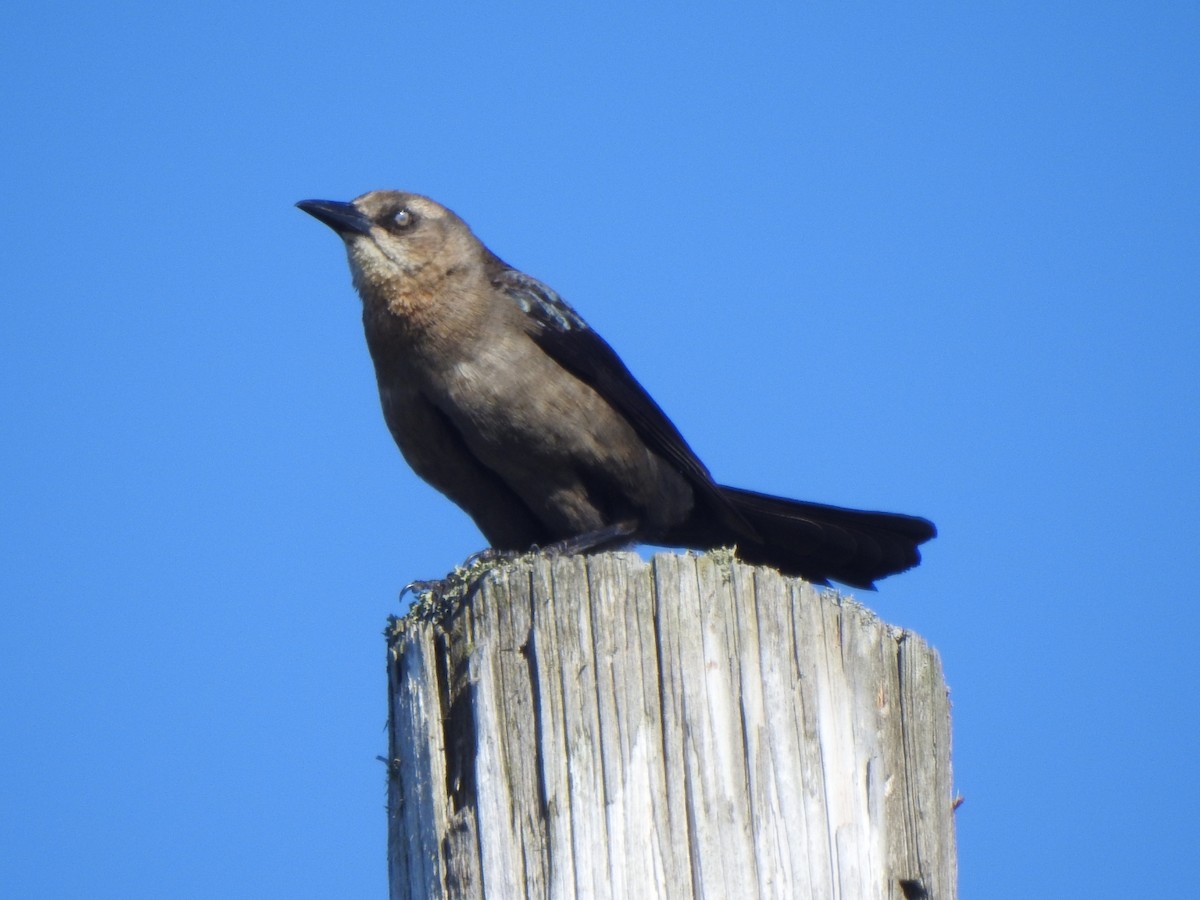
(605, 727)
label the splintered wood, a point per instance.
(604, 727)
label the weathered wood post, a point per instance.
(692, 727)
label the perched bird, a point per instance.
(500, 396)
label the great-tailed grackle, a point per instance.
(500, 396)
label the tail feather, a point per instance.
(819, 542)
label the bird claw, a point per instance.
(437, 598)
(437, 588)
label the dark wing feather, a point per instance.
(569, 340)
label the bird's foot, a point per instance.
(600, 539)
(432, 600)
(421, 589)
(436, 599)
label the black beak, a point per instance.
(344, 218)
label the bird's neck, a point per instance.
(435, 313)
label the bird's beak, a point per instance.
(344, 218)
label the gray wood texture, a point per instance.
(691, 727)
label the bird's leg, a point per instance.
(609, 536)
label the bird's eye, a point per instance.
(403, 218)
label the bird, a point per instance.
(501, 396)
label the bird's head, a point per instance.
(393, 236)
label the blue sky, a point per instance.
(936, 258)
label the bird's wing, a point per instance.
(569, 340)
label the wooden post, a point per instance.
(691, 727)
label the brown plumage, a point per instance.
(500, 396)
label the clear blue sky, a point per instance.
(937, 258)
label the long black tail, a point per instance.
(819, 542)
